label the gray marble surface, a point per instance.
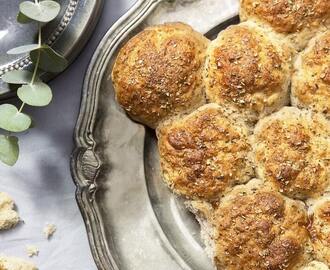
(40, 182)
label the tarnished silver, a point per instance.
(67, 34)
(133, 221)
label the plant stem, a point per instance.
(21, 108)
(39, 34)
(38, 57)
(37, 63)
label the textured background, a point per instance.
(40, 182)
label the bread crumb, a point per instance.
(32, 250)
(49, 230)
(8, 216)
(315, 265)
(12, 263)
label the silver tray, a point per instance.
(67, 34)
(133, 221)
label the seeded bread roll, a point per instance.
(311, 80)
(248, 68)
(255, 227)
(204, 153)
(292, 151)
(320, 229)
(298, 20)
(158, 73)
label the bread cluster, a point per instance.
(243, 129)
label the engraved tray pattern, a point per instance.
(132, 220)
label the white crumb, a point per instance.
(32, 250)
(49, 230)
(8, 216)
(12, 263)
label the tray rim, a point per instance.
(85, 164)
(71, 46)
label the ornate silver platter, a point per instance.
(67, 34)
(133, 221)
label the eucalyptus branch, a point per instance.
(32, 91)
(38, 57)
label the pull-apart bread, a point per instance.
(299, 20)
(158, 73)
(255, 227)
(311, 79)
(164, 76)
(248, 68)
(204, 153)
(292, 152)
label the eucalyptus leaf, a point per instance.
(23, 49)
(37, 94)
(50, 60)
(21, 18)
(12, 120)
(17, 77)
(44, 11)
(9, 149)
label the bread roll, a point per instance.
(255, 227)
(311, 80)
(292, 151)
(320, 229)
(298, 20)
(204, 153)
(248, 68)
(158, 73)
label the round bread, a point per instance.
(311, 80)
(158, 73)
(292, 151)
(299, 20)
(320, 229)
(248, 68)
(204, 153)
(255, 227)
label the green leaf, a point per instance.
(37, 94)
(21, 18)
(17, 77)
(9, 149)
(50, 60)
(23, 49)
(44, 11)
(12, 120)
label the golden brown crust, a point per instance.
(311, 80)
(292, 151)
(204, 153)
(255, 227)
(320, 229)
(298, 18)
(158, 73)
(249, 69)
